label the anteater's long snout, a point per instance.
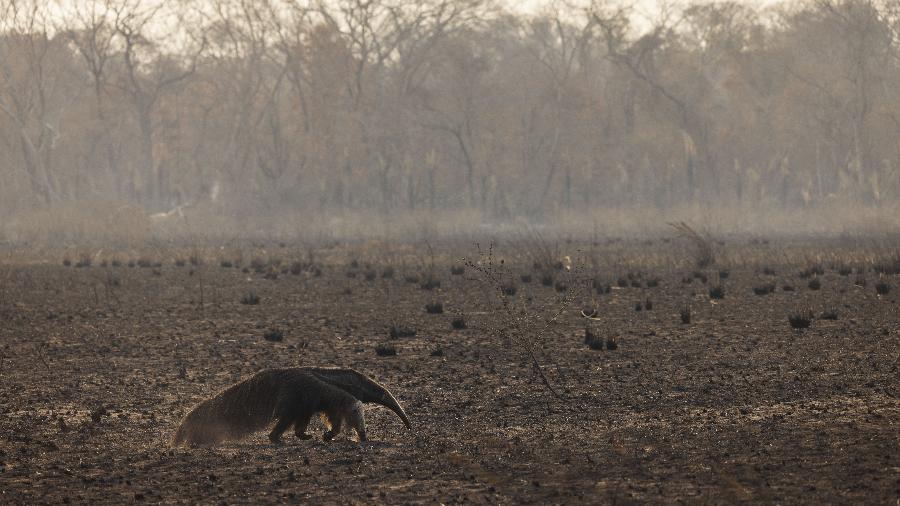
(391, 403)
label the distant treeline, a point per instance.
(393, 105)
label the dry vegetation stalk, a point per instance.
(704, 255)
(516, 323)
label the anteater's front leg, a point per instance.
(286, 412)
(334, 422)
(358, 421)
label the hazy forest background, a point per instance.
(238, 117)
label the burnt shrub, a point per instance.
(560, 286)
(648, 305)
(652, 282)
(788, 288)
(457, 270)
(768, 271)
(458, 323)
(385, 350)
(801, 320)
(882, 288)
(438, 352)
(143, 263)
(430, 283)
(812, 270)
(547, 279)
(509, 290)
(398, 331)
(764, 289)
(601, 288)
(888, 266)
(67, 262)
(860, 281)
(686, 315)
(370, 275)
(638, 306)
(411, 279)
(844, 270)
(274, 335)
(180, 262)
(387, 273)
(225, 264)
(434, 308)
(687, 280)
(258, 265)
(525, 278)
(814, 284)
(612, 343)
(250, 299)
(717, 292)
(829, 314)
(622, 283)
(724, 274)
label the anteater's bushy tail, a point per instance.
(234, 413)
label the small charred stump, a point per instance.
(250, 299)
(385, 350)
(800, 321)
(594, 341)
(275, 336)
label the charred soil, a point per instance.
(99, 364)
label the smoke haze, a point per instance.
(121, 120)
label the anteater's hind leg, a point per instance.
(300, 425)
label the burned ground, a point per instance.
(99, 362)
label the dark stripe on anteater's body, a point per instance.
(359, 386)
